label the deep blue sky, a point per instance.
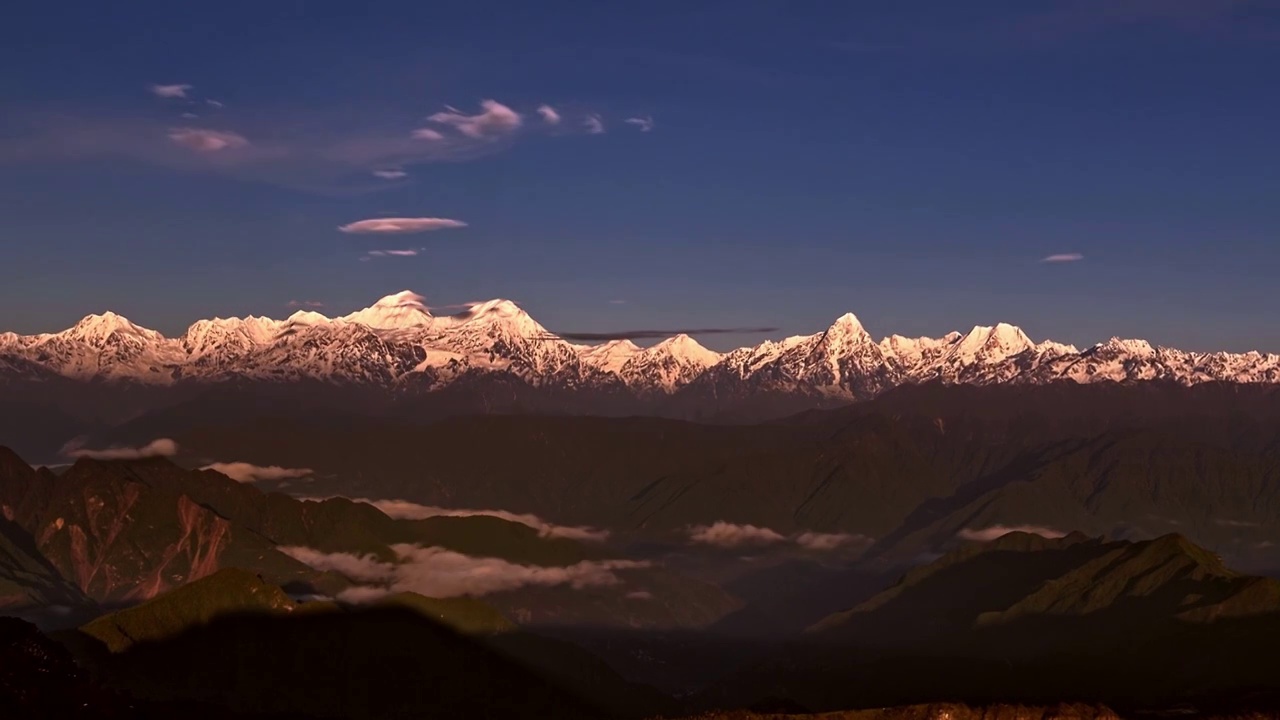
(910, 161)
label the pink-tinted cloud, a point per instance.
(988, 534)
(162, 447)
(403, 509)
(494, 119)
(390, 174)
(727, 535)
(305, 304)
(427, 134)
(205, 140)
(594, 124)
(436, 572)
(549, 114)
(244, 472)
(644, 123)
(170, 91)
(401, 225)
(1063, 258)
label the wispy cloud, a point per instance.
(988, 534)
(400, 225)
(205, 140)
(549, 114)
(644, 123)
(170, 91)
(617, 302)
(305, 303)
(214, 104)
(248, 472)
(651, 334)
(494, 119)
(403, 509)
(412, 252)
(436, 572)
(390, 174)
(162, 447)
(1062, 258)
(594, 124)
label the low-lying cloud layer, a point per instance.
(405, 510)
(993, 532)
(730, 535)
(400, 225)
(436, 572)
(1063, 258)
(162, 447)
(248, 472)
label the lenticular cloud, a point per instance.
(400, 225)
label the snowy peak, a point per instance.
(991, 343)
(401, 311)
(668, 365)
(685, 349)
(847, 327)
(608, 357)
(99, 329)
(1136, 348)
(504, 314)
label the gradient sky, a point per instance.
(913, 162)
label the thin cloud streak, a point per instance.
(652, 334)
(243, 472)
(400, 225)
(594, 125)
(393, 253)
(390, 174)
(205, 140)
(1063, 258)
(162, 447)
(644, 123)
(305, 303)
(406, 510)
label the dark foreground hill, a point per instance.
(1136, 626)
(233, 641)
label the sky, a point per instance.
(657, 165)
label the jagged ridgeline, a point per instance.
(495, 356)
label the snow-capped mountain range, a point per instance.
(397, 341)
